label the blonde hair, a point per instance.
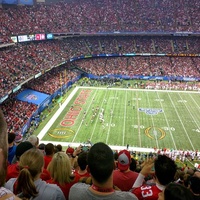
(30, 164)
(60, 168)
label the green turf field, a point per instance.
(140, 118)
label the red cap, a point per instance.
(124, 160)
(69, 150)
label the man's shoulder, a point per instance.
(125, 195)
(13, 166)
(80, 191)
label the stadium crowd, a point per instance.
(101, 16)
(23, 61)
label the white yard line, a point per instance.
(138, 113)
(181, 123)
(108, 133)
(194, 101)
(167, 122)
(154, 130)
(124, 127)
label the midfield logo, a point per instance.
(151, 111)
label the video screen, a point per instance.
(26, 38)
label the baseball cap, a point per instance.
(70, 150)
(124, 159)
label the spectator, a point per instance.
(100, 166)
(34, 140)
(18, 139)
(13, 169)
(41, 147)
(11, 147)
(194, 185)
(28, 184)
(61, 172)
(49, 152)
(133, 165)
(70, 151)
(175, 191)
(58, 148)
(123, 177)
(163, 170)
(82, 165)
(4, 193)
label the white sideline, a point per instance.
(56, 115)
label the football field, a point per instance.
(116, 116)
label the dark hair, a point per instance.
(100, 162)
(133, 164)
(11, 137)
(41, 146)
(195, 185)
(49, 149)
(82, 160)
(58, 147)
(175, 191)
(165, 169)
(115, 156)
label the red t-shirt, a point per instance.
(47, 160)
(124, 180)
(65, 188)
(147, 192)
(81, 175)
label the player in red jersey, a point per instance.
(163, 170)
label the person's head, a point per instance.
(100, 162)
(31, 165)
(58, 147)
(194, 184)
(41, 146)
(18, 139)
(133, 164)
(124, 160)
(34, 140)
(21, 148)
(60, 168)
(82, 160)
(3, 148)
(165, 169)
(175, 191)
(11, 138)
(69, 151)
(196, 173)
(49, 149)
